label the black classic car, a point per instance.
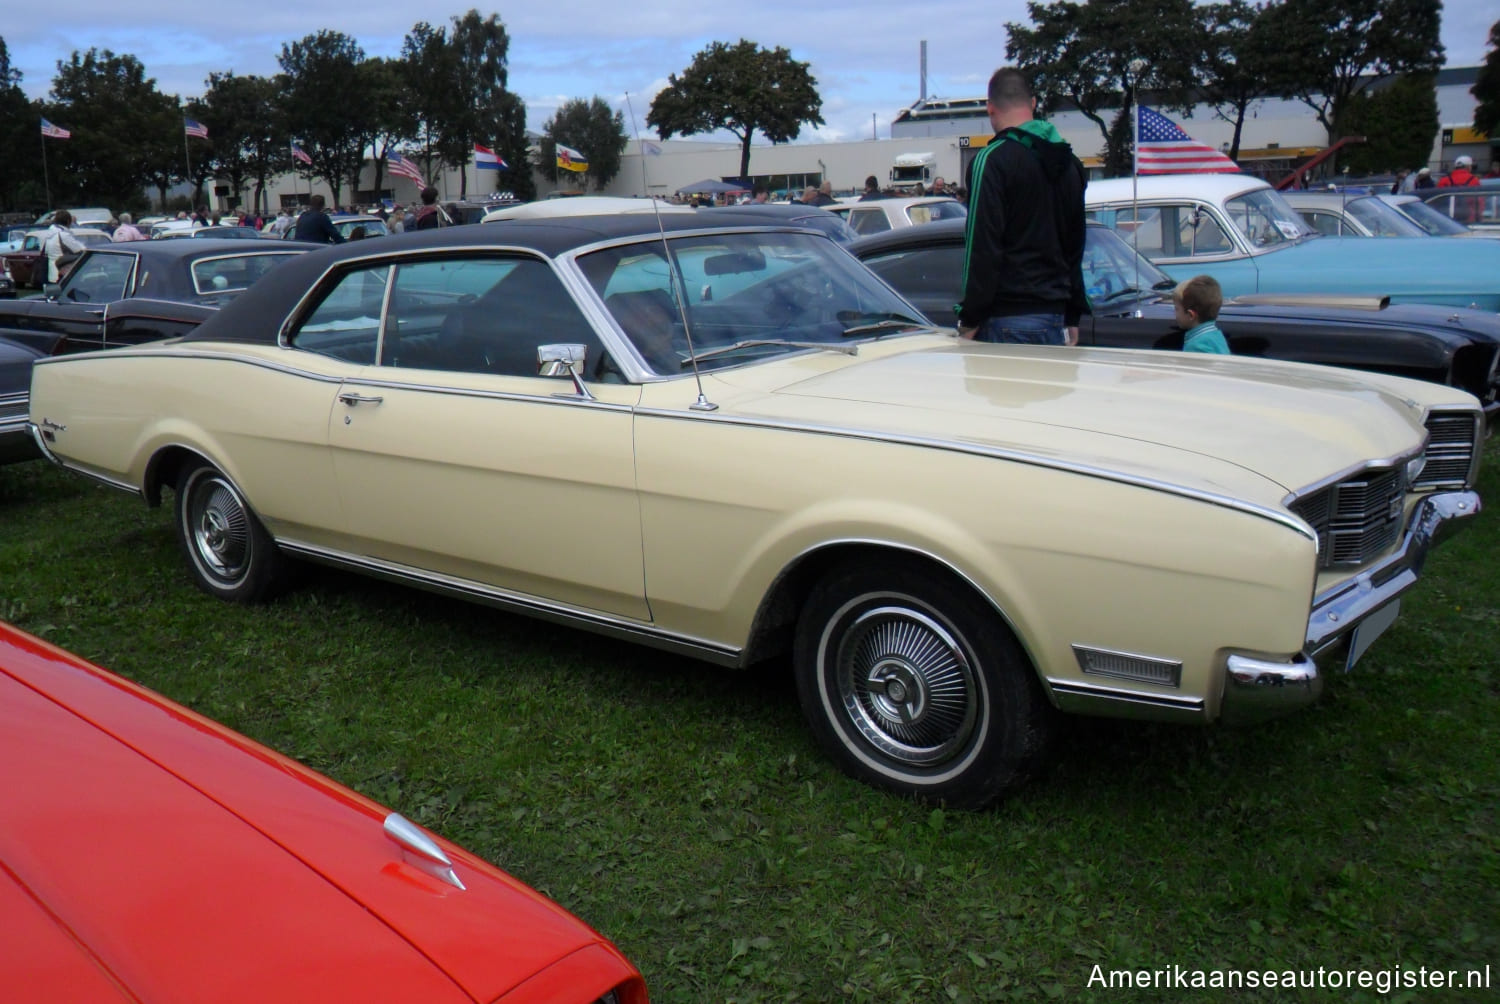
(124, 294)
(1132, 308)
(120, 294)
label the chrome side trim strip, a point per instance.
(387, 383)
(557, 613)
(1117, 702)
(999, 453)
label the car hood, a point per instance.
(1411, 269)
(1253, 429)
(184, 862)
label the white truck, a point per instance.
(912, 169)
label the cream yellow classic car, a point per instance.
(733, 441)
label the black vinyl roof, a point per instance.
(256, 314)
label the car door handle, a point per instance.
(95, 311)
(351, 398)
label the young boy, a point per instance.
(1197, 302)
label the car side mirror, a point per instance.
(564, 359)
(52, 290)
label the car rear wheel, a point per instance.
(229, 553)
(914, 684)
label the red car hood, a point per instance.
(149, 854)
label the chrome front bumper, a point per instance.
(1256, 689)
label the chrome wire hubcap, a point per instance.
(906, 685)
(221, 532)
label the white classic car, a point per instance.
(876, 216)
(734, 441)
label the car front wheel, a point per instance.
(914, 684)
(229, 553)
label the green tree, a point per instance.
(1487, 88)
(742, 89)
(482, 47)
(1398, 122)
(120, 127)
(506, 117)
(1099, 53)
(1235, 68)
(593, 130)
(244, 126)
(324, 104)
(389, 123)
(431, 106)
(1332, 50)
(21, 172)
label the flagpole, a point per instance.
(46, 182)
(188, 159)
(1135, 172)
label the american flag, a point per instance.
(399, 165)
(54, 132)
(1163, 148)
(300, 154)
(197, 129)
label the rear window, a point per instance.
(232, 273)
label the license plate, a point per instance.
(1369, 629)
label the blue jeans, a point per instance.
(1024, 329)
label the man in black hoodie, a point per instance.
(1023, 275)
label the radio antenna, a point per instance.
(675, 277)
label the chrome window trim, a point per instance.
(633, 364)
(1239, 249)
(400, 257)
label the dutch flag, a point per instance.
(486, 159)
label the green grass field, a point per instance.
(683, 810)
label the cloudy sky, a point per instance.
(864, 55)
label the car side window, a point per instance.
(868, 221)
(926, 272)
(480, 315)
(213, 276)
(346, 322)
(99, 278)
(1323, 223)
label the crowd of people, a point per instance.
(1461, 176)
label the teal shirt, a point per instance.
(1205, 337)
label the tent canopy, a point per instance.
(708, 186)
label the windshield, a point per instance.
(1429, 219)
(1111, 269)
(1382, 220)
(778, 290)
(1265, 218)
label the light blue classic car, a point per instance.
(1242, 232)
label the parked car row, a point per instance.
(1244, 233)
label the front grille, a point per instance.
(1451, 440)
(1357, 519)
